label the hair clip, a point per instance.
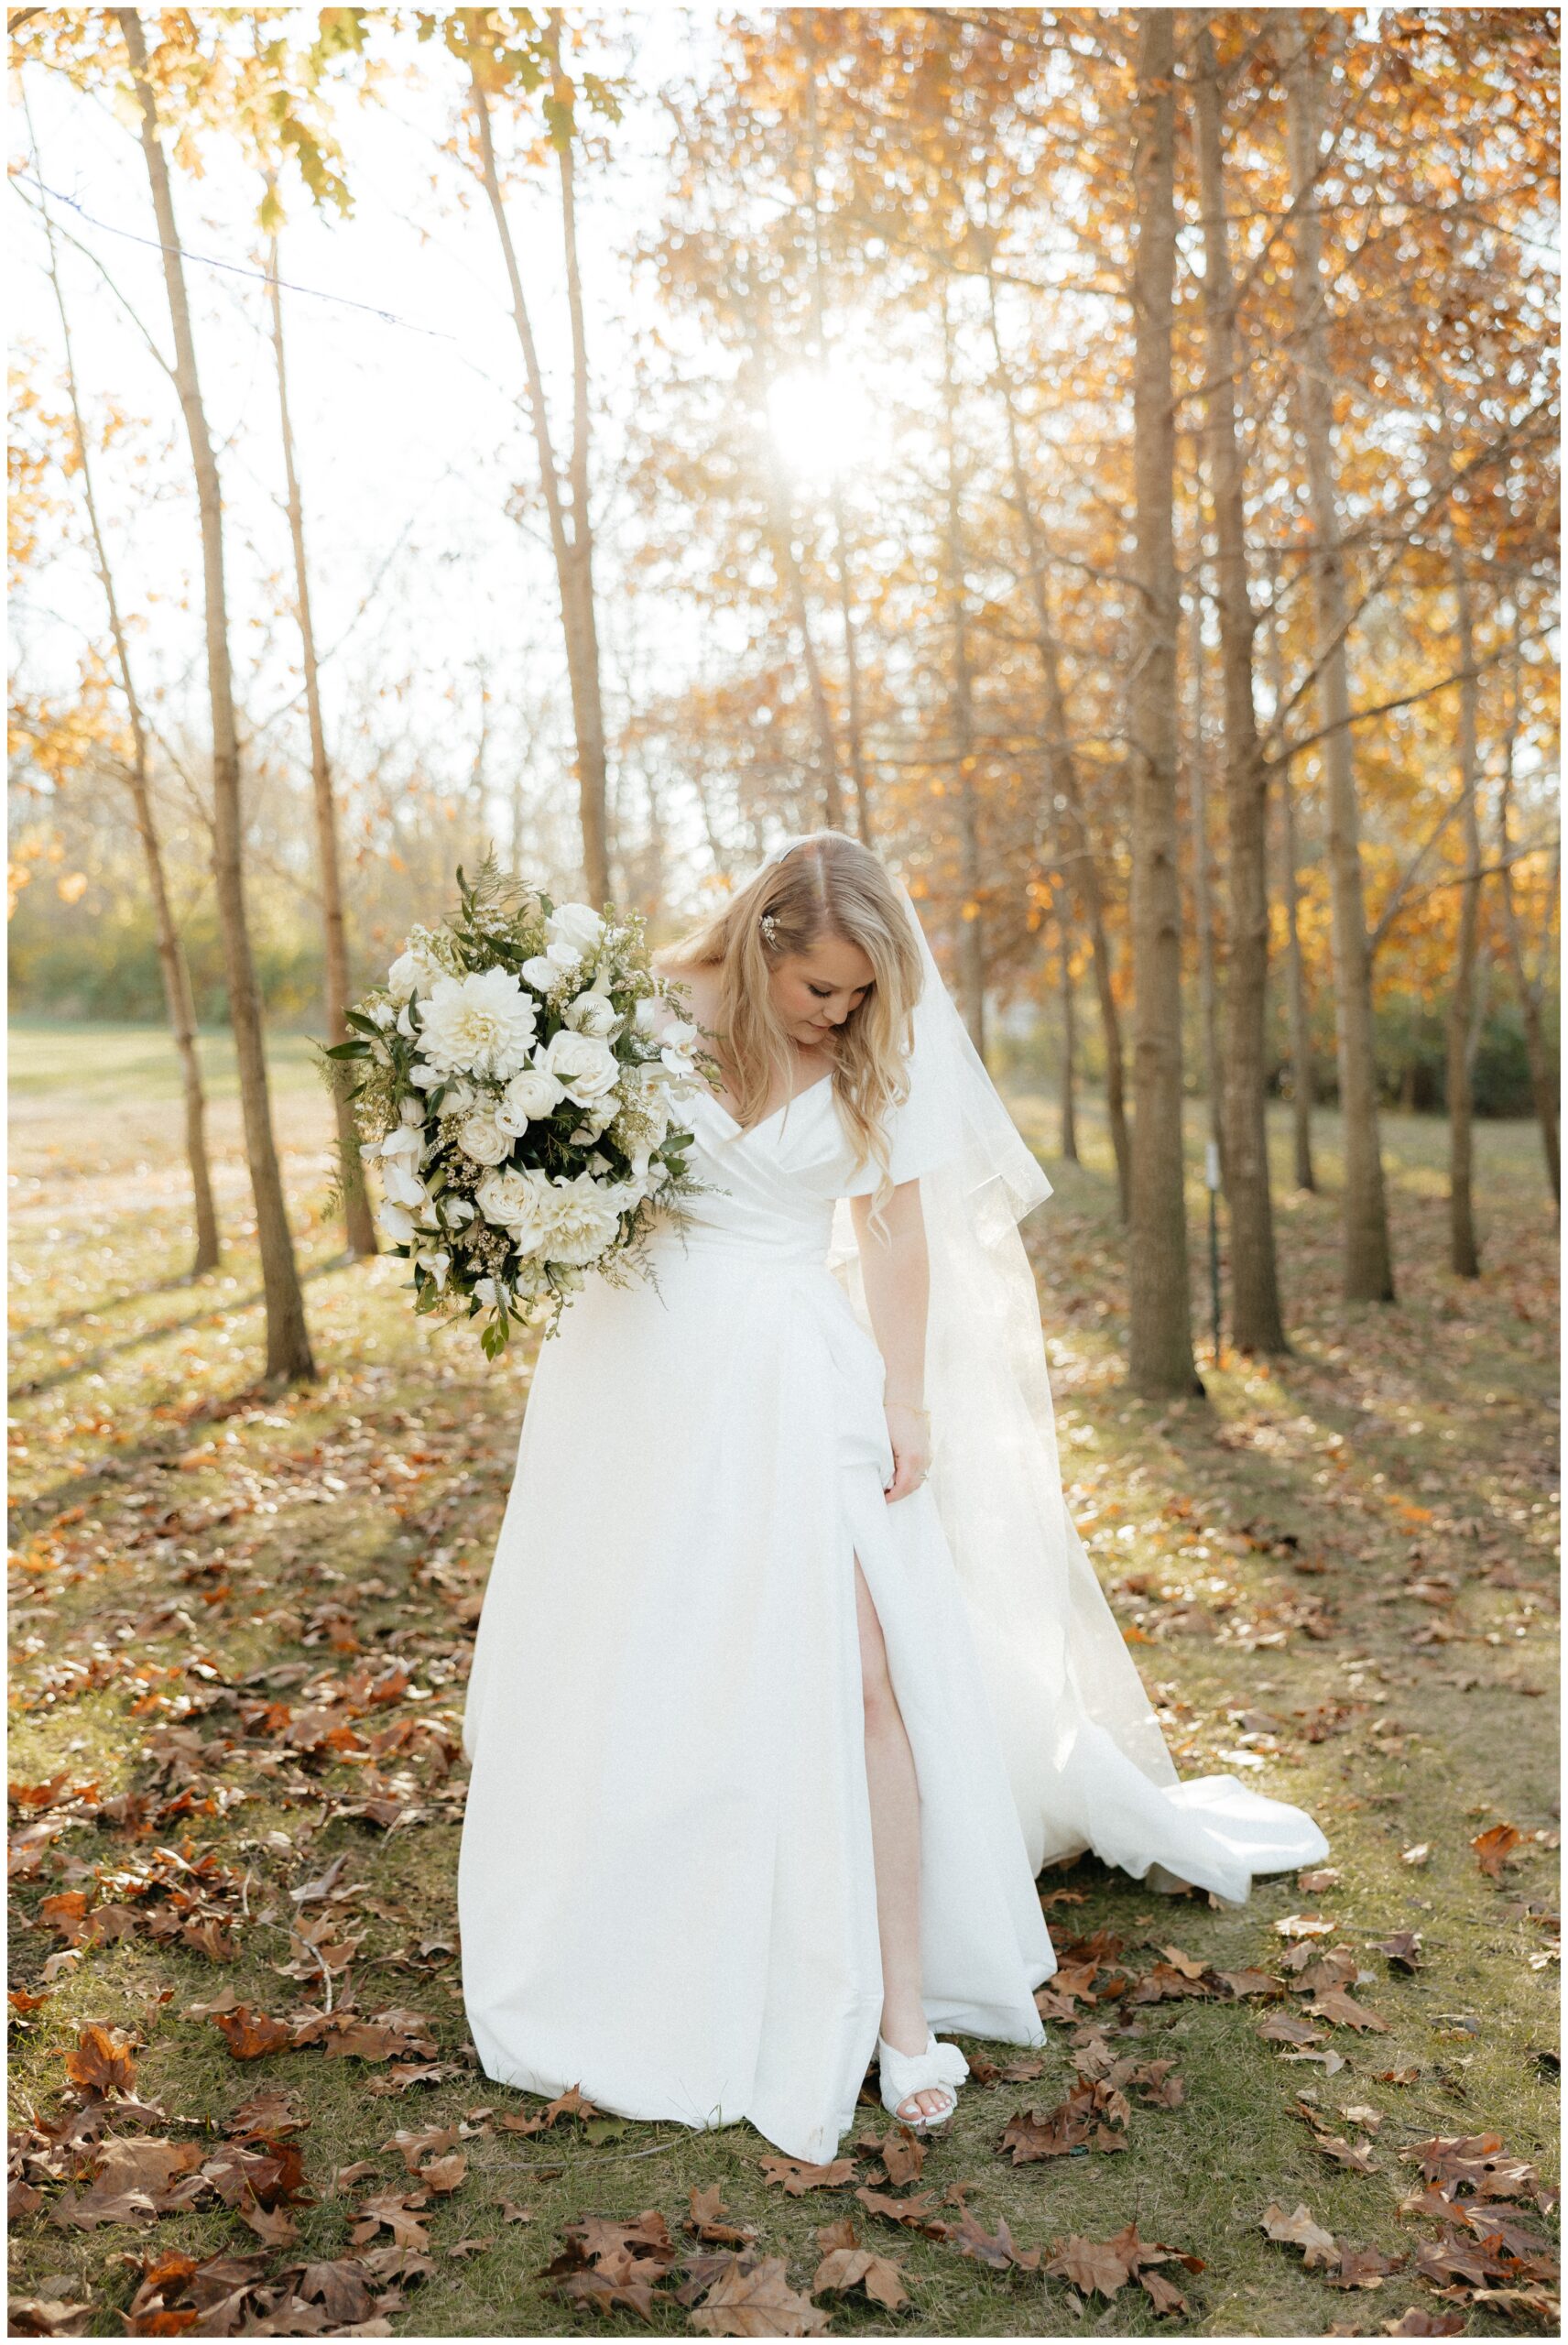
(769, 924)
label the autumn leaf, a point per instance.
(1300, 2229)
(1091, 2265)
(796, 2176)
(857, 2267)
(994, 2249)
(1493, 1848)
(706, 2220)
(757, 2302)
(251, 2035)
(100, 2061)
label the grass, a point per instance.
(1359, 1536)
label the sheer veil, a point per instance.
(1085, 1756)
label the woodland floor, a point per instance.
(241, 1629)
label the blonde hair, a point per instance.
(827, 885)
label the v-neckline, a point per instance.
(744, 1130)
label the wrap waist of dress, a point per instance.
(785, 1240)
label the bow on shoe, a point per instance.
(941, 2067)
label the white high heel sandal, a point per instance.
(941, 2067)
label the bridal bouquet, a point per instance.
(519, 1095)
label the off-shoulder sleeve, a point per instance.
(918, 1139)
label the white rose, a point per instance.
(586, 1069)
(573, 930)
(593, 1013)
(481, 1139)
(478, 1025)
(543, 974)
(528, 1096)
(519, 1203)
(423, 1077)
(456, 1211)
(414, 971)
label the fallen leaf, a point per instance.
(1494, 1846)
(1302, 2229)
(860, 2267)
(797, 2176)
(757, 2302)
(100, 2061)
(250, 2034)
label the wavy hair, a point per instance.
(826, 885)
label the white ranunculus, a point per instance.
(529, 1094)
(586, 1069)
(573, 930)
(415, 970)
(522, 1204)
(593, 1013)
(584, 1219)
(482, 1024)
(480, 1139)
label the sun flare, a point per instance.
(820, 420)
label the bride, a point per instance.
(792, 1671)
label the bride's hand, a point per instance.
(908, 1430)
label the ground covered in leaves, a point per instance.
(244, 2096)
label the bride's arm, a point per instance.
(898, 1282)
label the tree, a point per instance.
(505, 51)
(175, 974)
(1162, 1339)
(358, 1224)
(1529, 984)
(1258, 1324)
(1368, 1258)
(289, 1355)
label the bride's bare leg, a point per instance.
(895, 1848)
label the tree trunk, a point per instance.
(1161, 1351)
(571, 547)
(856, 742)
(1258, 1322)
(794, 582)
(1069, 1034)
(288, 1338)
(971, 927)
(1203, 878)
(1368, 1270)
(1542, 1087)
(359, 1227)
(1301, 1084)
(858, 774)
(172, 959)
(1464, 1254)
(1061, 769)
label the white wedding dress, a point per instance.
(666, 1887)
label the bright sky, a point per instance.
(410, 433)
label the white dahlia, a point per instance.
(478, 1025)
